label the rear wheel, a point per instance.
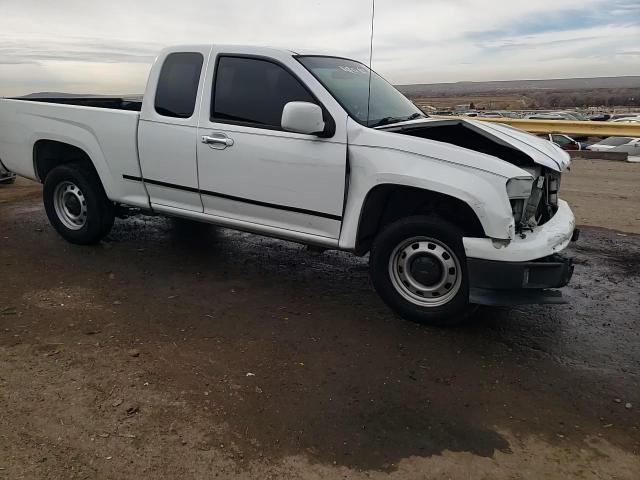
(7, 181)
(76, 204)
(418, 267)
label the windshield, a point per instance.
(348, 82)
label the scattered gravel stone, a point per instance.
(132, 410)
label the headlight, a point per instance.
(518, 191)
(519, 188)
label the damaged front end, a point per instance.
(533, 198)
(527, 267)
(539, 224)
(537, 205)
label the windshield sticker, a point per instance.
(354, 70)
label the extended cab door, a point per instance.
(167, 133)
(253, 170)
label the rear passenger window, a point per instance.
(252, 91)
(178, 85)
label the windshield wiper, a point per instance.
(413, 116)
(389, 120)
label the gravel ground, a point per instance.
(604, 193)
(176, 350)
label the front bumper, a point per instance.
(522, 271)
(516, 283)
(550, 272)
(545, 240)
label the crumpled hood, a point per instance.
(541, 151)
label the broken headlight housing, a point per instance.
(540, 205)
(518, 191)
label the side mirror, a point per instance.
(302, 117)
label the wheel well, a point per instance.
(48, 154)
(385, 204)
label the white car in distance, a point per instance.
(616, 144)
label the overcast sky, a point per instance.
(86, 46)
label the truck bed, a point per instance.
(114, 103)
(107, 134)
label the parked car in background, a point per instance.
(611, 143)
(499, 114)
(6, 176)
(632, 148)
(617, 116)
(544, 116)
(563, 141)
(600, 117)
(581, 117)
(626, 120)
(491, 114)
(571, 116)
(576, 116)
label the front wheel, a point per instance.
(418, 267)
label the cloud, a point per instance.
(107, 47)
(73, 49)
(617, 33)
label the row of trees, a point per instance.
(583, 98)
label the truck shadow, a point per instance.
(335, 376)
(340, 379)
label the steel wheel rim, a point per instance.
(403, 274)
(70, 205)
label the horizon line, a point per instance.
(519, 80)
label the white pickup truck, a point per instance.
(453, 213)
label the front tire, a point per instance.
(418, 267)
(77, 205)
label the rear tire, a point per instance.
(77, 205)
(419, 268)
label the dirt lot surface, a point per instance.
(183, 351)
(604, 193)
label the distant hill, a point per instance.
(453, 89)
(507, 94)
(463, 88)
(458, 88)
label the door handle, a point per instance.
(219, 140)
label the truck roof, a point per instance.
(255, 49)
